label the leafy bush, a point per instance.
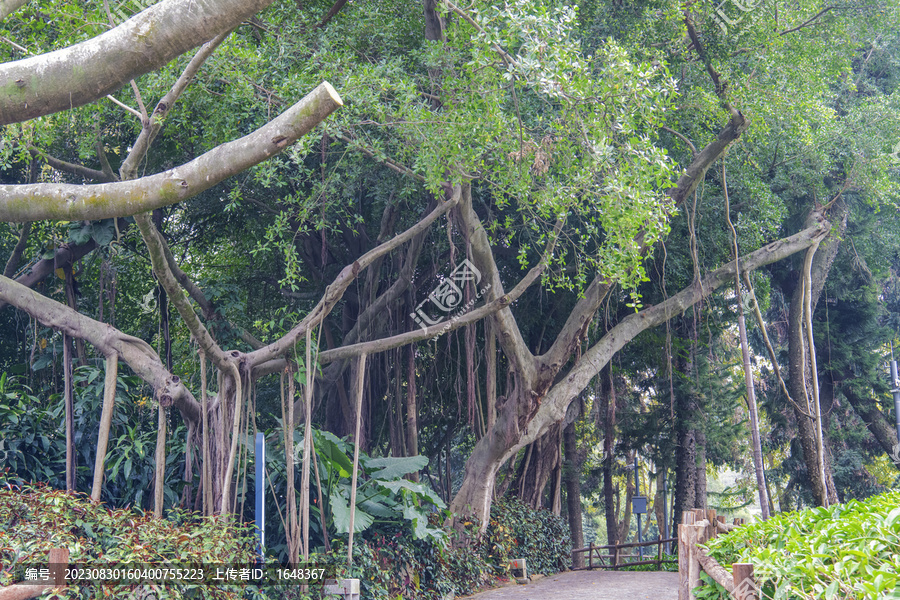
(36, 518)
(539, 536)
(849, 550)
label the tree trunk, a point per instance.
(69, 399)
(608, 414)
(700, 499)
(434, 22)
(798, 357)
(412, 413)
(572, 476)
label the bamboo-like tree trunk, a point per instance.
(109, 400)
(160, 480)
(358, 388)
(69, 399)
(756, 449)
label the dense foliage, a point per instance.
(849, 550)
(37, 518)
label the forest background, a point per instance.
(505, 236)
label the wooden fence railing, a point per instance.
(698, 526)
(615, 559)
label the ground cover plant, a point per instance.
(36, 518)
(849, 550)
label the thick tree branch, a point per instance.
(553, 407)
(335, 291)
(580, 316)
(80, 74)
(41, 201)
(152, 126)
(108, 340)
(8, 7)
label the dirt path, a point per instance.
(591, 585)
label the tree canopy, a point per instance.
(460, 230)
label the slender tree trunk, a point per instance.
(109, 399)
(700, 499)
(412, 426)
(69, 398)
(572, 476)
(756, 449)
(608, 412)
(160, 479)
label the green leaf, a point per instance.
(340, 514)
(394, 467)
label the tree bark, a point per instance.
(69, 399)
(8, 7)
(434, 22)
(77, 75)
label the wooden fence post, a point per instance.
(688, 565)
(590, 556)
(745, 587)
(711, 528)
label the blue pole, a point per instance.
(260, 494)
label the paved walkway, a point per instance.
(591, 585)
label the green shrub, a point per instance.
(36, 518)
(849, 550)
(538, 536)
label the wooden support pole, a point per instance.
(711, 528)
(688, 564)
(591, 556)
(745, 587)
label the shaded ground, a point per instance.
(591, 585)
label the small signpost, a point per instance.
(638, 505)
